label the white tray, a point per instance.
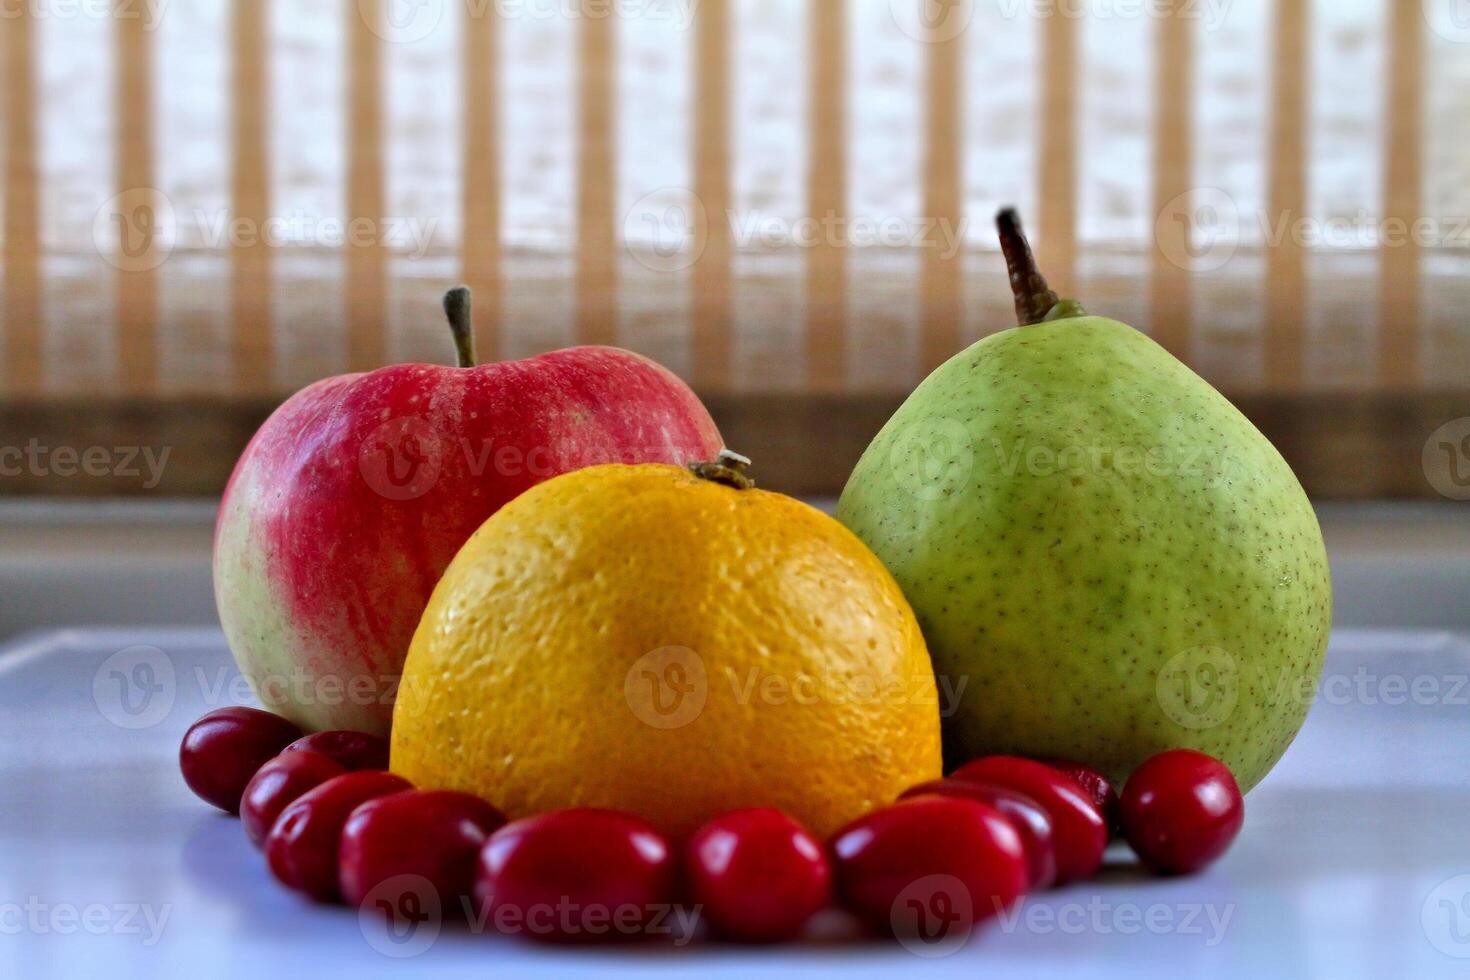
(1354, 861)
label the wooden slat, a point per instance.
(1285, 266)
(1169, 289)
(1056, 161)
(826, 271)
(250, 262)
(805, 443)
(367, 265)
(137, 281)
(480, 177)
(1399, 340)
(21, 255)
(942, 276)
(711, 273)
(597, 242)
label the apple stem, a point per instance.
(461, 324)
(1034, 298)
(729, 468)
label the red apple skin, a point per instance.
(348, 504)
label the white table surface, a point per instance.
(1354, 860)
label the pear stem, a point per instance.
(461, 324)
(1034, 298)
(729, 468)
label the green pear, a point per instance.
(1107, 559)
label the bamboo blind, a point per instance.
(236, 197)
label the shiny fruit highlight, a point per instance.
(757, 875)
(929, 863)
(575, 876)
(222, 750)
(302, 846)
(1181, 810)
(415, 851)
(1081, 834)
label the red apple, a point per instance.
(350, 501)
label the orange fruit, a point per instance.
(651, 640)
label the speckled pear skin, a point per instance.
(1102, 549)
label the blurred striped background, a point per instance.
(235, 197)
